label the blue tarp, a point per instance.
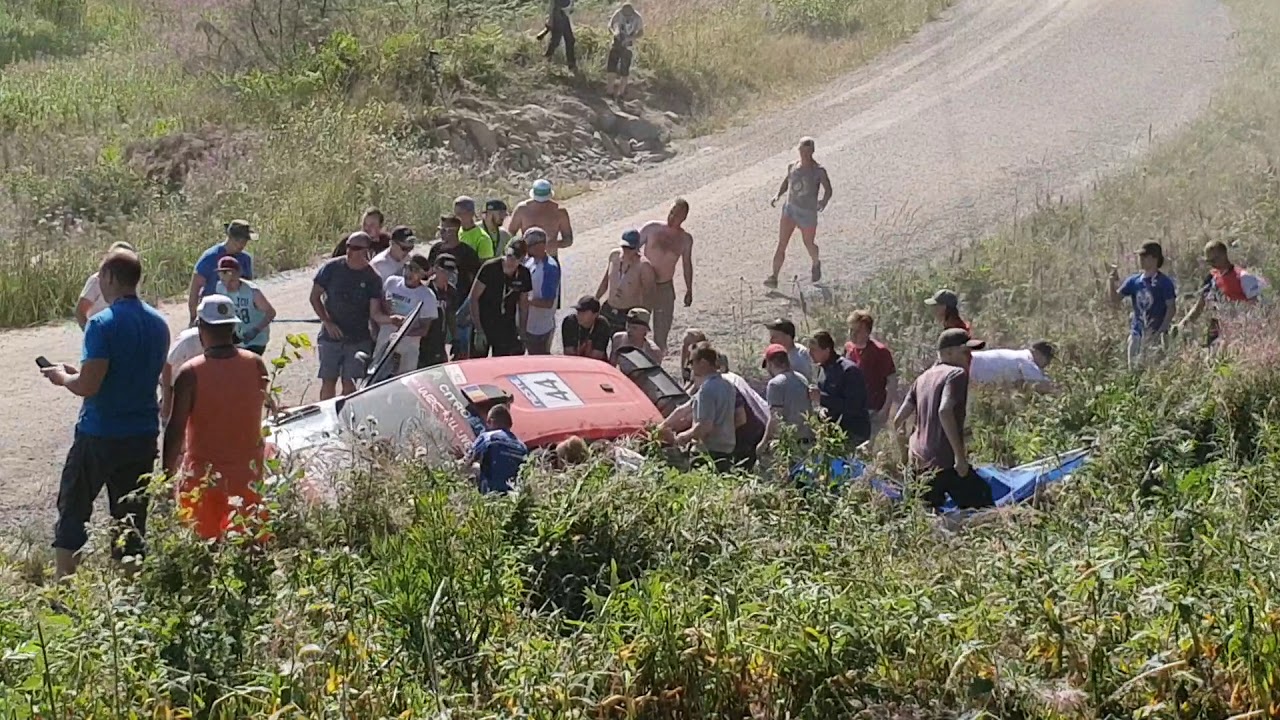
(1008, 485)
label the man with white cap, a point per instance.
(542, 211)
(544, 273)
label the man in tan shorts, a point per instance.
(628, 282)
(666, 245)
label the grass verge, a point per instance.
(189, 114)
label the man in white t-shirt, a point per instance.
(544, 270)
(400, 293)
(185, 347)
(91, 302)
(1014, 367)
(392, 261)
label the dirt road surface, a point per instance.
(928, 146)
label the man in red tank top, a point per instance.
(217, 419)
(1228, 287)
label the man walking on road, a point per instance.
(500, 300)
(803, 180)
(345, 295)
(629, 281)
(213, 440)
(116, 435)
(544, 273)
(939, 398)
(665, 246)
(204, 280)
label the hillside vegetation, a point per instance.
(1146, 587)
(156, 121)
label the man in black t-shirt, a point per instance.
(585, 333)
(448, 299)
(465, 257)
(346, 294)
(500, 300)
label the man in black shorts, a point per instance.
(500, 300)
(125, 347)
(627, 26)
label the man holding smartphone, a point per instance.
(119, 426)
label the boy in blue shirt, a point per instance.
(1153, 296)
(498, 453)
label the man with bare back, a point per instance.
(802, 184)
(666, 245)
(541, 211)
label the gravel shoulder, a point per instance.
(940, 140)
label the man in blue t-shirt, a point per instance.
(115, 446)
(498, 452)
(1153, 296)
(204, 280)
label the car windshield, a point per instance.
(422, 411)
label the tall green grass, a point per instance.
(309, 125)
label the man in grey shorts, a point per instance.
(802, 183)
(345, 295)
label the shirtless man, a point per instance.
(665, 245)
(541, 211)
(802, 183)
(628, 282)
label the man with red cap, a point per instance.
(788, 397)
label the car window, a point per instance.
(420, 411)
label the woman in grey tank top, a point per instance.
(803, 181)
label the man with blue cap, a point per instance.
(628, 281)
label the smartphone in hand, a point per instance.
(43, 362)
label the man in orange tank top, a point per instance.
(217, 419)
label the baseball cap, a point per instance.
(240, 230)
(495, 205)
(1152, 249)
(958, 337)
(945, 298)
(465, 202)
(216, 310)
(447, 261)
(783, 325)
(638, 316)
(541, 190)
(587, 303)
(534, 236)
(228, 262)
(359, 240)
(630, 240)
(418, 262)
(403, 235)
(774, 349)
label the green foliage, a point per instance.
(29, 28)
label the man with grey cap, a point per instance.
(471, 234)
(937, 447)
(629, 281)
(346, 294)
(946, 309)
(544, 275)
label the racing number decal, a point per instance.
(546, 390)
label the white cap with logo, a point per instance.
(217, 310)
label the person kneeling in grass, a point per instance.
(498, 454)
(1014, 368)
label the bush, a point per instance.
(30, 28)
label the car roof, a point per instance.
(557, 396)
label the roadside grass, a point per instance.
(321, 117)
(1144, 587)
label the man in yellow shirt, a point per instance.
(472, 235)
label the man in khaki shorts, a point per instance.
(665, 245)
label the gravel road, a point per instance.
(928, 146)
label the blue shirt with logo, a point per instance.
(500, 454)
(134, 340)
(207, 267)
(1151, 297)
